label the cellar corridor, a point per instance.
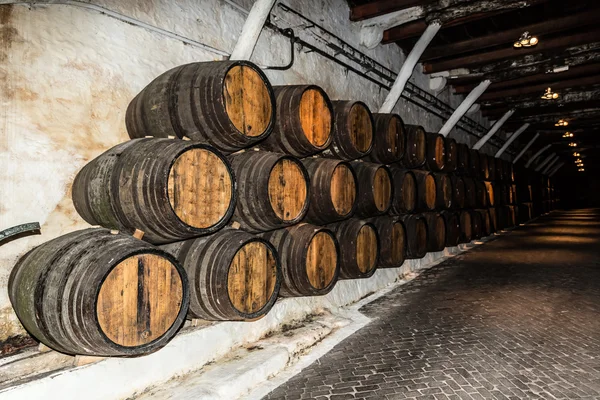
(516, 318)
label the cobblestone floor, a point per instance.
(516, 318)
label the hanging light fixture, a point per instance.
(526, 40)
(549, 95)
(568, 135)
(578, 161)
(581, 169)
(576, 154)
(573, 144)
(562, 122)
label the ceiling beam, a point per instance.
(539, 88)
(525, 103)
(382, 7)
(510, 52)
(558, 110)
(577, 71)
(509, 36)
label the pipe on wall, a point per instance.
(537, 135)
(494, 129)
(464, 107)
(512, 139)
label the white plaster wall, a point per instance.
(68, 74)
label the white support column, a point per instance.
(550, 165)
(464, 107)
(536, 155)
(559, 166)
(537, 135)
(494, 129)
(251, 30)
(545, 162)
(512, 139)
(408, 67)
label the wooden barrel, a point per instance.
(303, 123)
(458, 192)
(525, 212)
(310, 259)
(359, 248)
(476, 224)
(426, 190)
(392, 241)
(486, 223)
(480, 194)
(451, 155)
(436, 231)
(416, 147)
(474, 164)
(470, 192)
(464, 159)
(524, 193)
(390, 140)
(466, 226)
(273, 190)
(227, 104)
(484, 166)
(444, 192)
(417, 236)
(248, 264)
(508, 171)
(452, 222)
(375, 190)
(435, 155)
(499, 169)
(492, 168)
(94, 293)
(512, 194)
(352, 131)
(490, 193)
(333, 190)
(170, 189)
(404, 184)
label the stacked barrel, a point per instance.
(536, 195)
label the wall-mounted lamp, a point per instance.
(526, 40)
(549, 95)
(562, 122)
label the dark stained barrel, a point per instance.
(458, 191)
(310, 259)
(470, 192)
(464, 159)
(303, 123)
(474, 164)
(426, 190)
(493, 219)
(444, 192)
(452, 221)
(480, 193)
(94, 293)
(227, 104)
(484, 166)
(490, 193)
(466, 226)
(389, 143)
(477, 224)
(451, 155)
(525, 212)
(353, 130)
(359, 248)
(375, 190)
(404, 182)
(392, 239)
(170, 189)
(486, 223)
(435, 155)
(436, 231)
(492, 168)
(273, 190)
(417, 236)
(248, 264)
(333, 190)
(416, 147)
(506, 217)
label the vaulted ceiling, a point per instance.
(476, 43)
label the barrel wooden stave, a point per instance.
(304, 121)
(415, 152)
(459, 194)
(451, 147)
(452, 222)
(474, 164)
(476, 223)
(417, 236)
(464, 159)
(353, 130)
(375, 188)
(392, 237)
(227, 104)
(435, 158)
(169, 189)
(466, 226)
(405, 191)
(436, 231)
(94, 293)
(273, 190)
(390, 139)
(484, 166)
(444, 190)
(233, 275)
(426, 190)
(359, 248)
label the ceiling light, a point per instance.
(567, 134)
(578, 161)
(526, 40)
(562, 122)
(581, 169)
(576, 154)
(573, 144)
(549, 95)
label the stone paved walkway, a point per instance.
(516, 318)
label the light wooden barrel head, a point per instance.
(200, 188)
(252, 277)
(343, 189)
(321, 260)
(247, 100)
(409, 191)
(139, 300)
(361, 127)
(366, 249)
(394, 137)
(440, 151)
(430, 194)
(315, 117)
(382, 189)
(421, 235)
(288, 189)
(398, 242)
(489, 187)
